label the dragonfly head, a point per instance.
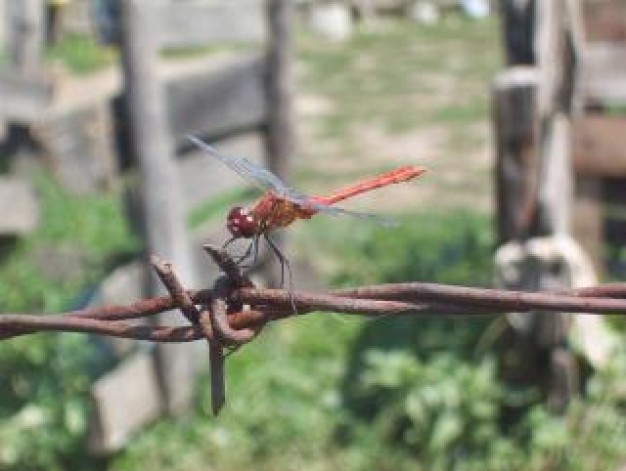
(241, 224)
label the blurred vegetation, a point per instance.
(319, 392)
(322, 392)
(45, 377)
(388, 75)
(81, 54)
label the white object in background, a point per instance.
(475, 8)
(331, 21)
(424, 12)
(556, 259)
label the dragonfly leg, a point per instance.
(253, 249)
(228, 242)
(284, 264)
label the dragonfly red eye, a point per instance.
(241, 223)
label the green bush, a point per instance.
(45, 378)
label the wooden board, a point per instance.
(211, 104)
(605, 20)
(218, 102)
(78, 147)
(599, 148)
(123, 401)
(197, 23)
(515, 119)
(604, 72)
(23, 98)
(19, 207)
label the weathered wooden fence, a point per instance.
(541, 109)
(138, 120)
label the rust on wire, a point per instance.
(270, 304)
(234, 311)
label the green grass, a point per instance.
(45, 378)
(324, 392)
(81, 54)
(288, 391)
(187, 52)
(91, 229)
(386, 75)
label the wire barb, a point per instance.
(234, 311)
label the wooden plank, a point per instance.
(78, 146)
(163, 213)
(599, 146)
(23, 99)
(280, 135)
(26, 38)
(549, 55)
(220, 102)
(605, 20)
(518, 31)
(604, 70)
(199, 23)
(556, 186)
(123, 401)
(19, 207)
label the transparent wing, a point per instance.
(266, 180)
(338, 211)
(255, 174)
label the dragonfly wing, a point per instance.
(378, 219)
(250, 171)
(266, 180)
(309, 202)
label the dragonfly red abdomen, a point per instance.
(398, 175)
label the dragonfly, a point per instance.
(280, 205)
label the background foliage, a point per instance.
(318, 392)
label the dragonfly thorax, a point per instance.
(241, 223)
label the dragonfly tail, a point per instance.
(399, 175)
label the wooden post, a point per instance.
(26, 36)
(518, 30)
(164, 216)
(280, 136)
(556, 187)
(515, 117)
(532, 113)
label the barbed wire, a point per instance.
(249, 308)
(233, 312)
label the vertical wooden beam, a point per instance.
(281, 133)
(538, 201)
(548, 44)
(26, 36)
(164, 217)
(556, 186)
(589, 219)
(515, 117)
(518, 31)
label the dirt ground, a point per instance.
(453, 180)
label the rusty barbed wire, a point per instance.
(234, 311)
(265, 305)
